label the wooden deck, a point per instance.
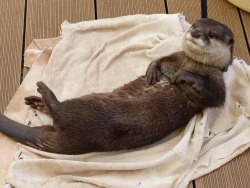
(23, 20)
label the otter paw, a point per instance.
(36, 103)
(42, 88)
(153, 73)
(46, 93)
(186, 77)
(153, 76)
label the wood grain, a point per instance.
(190, 185)
(246, 23)
(115, 8)
(234, 174)
(11, 29)
(44, 18)
(189, 8)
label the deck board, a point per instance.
(189, 8)
(190, 185)
(233, 174)
(11, 29)
(114, 8)
(44, 18)
(246, 22)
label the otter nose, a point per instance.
(195, 34)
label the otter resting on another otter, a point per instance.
(174, 89)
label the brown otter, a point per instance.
(174, 89)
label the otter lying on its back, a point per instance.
(174, 89)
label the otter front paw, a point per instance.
(153, 73)
(153, 77)
(186, 77)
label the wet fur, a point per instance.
(137, 114)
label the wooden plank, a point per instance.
(115, 8)
(44, 18)
(233, 174)
(190, 185)
(11, 29)
(189, 8)
(246, 23)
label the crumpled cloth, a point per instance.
(98, 56)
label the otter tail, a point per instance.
(24, 134)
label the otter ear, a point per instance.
(230, 40)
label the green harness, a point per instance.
(168, 74)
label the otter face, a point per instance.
(209, 42)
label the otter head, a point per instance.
(209, 42)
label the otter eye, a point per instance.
(211, 35)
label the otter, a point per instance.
(174, 89)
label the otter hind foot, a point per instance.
(37, 103)
(48, 96)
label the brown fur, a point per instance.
(137, 114)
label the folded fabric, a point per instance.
(99, 56)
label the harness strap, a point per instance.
(168, 74)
